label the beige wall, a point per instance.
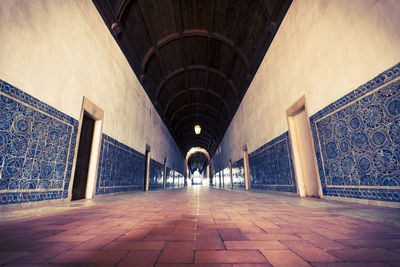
(323, 49)
(61, 50)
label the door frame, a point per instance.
(97, 114)
(291, 112)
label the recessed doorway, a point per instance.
(307, 179)
(83, 158)
(87, 154)
(146, 175)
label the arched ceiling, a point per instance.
(194, 58)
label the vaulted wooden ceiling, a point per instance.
(194, 58)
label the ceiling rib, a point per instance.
(192, 33)
(173, 98)
(162, 67)
(195, 59)
(195, 67)
(210, 107)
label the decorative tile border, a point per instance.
(357, 141)
(37, 148)
(271, 166)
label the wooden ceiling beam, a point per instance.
(195, 67)
(214, 93)
(192, 33)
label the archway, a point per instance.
(198, 159)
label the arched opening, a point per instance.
(198, 166)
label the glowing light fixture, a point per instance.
(197, 129)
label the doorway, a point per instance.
(146, 174)
(82, 161)
(307, 178)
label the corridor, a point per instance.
(203, 226)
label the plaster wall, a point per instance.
(323, 49)
(59, 51)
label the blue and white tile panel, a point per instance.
(37, 147)
(357, 141)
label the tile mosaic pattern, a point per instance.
(238, 174)
(37, 146)
(121, 168)
(271, 166)
(156, 173)
(225, 181)
(357, 141)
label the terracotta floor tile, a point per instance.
(194, 265)
(169, 237)
(265, 225)
(362, 255)
(232, 235)
(252, 265)
(96, 243)
(272, 237)
(6, 257)
(243, 256)
(209, 242)
(17, 245)
(139, 259)
(354, 264)
(309, 252)
(102, 257)
(284, 258)
(45, 254)
(321, 241)
(136, 234)
(177, 252)
(238, 245)
(64, 238)
(135, 245)
(210, 227)
(250, 229)
(355, 243)
(217, 226)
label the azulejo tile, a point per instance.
(357, 141)
(155, 175)
(238, 174)
(35, 140)
(271, 166)
(121, 168)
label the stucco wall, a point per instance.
(59, 51)
(323, 49)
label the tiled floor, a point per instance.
(201, 226)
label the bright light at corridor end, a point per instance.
(197, 129)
